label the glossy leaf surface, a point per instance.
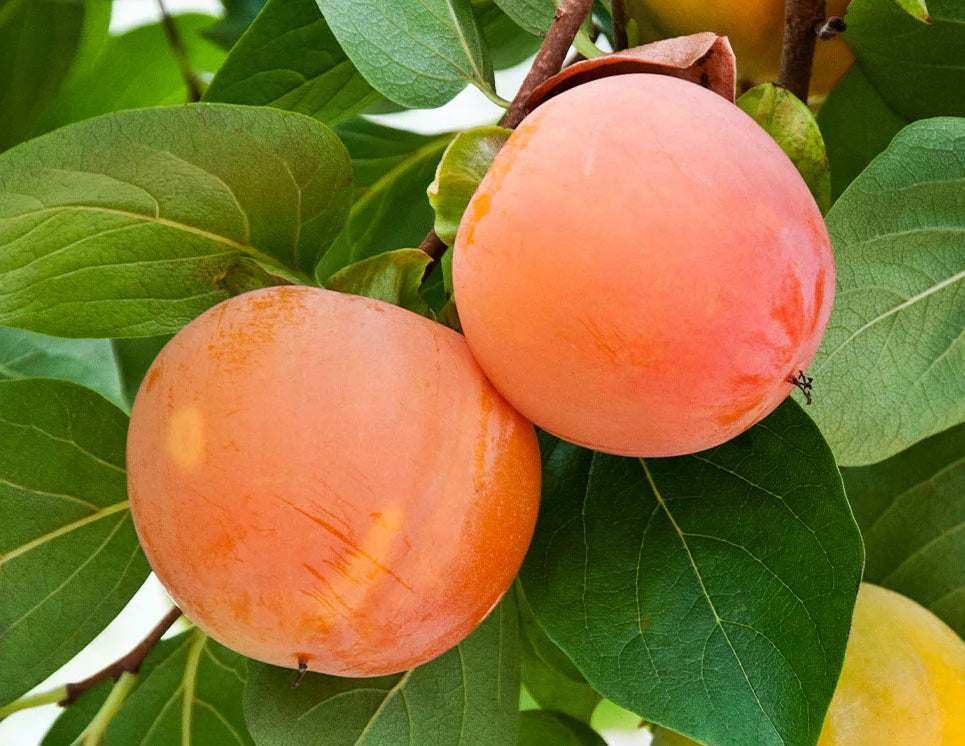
(720, 582)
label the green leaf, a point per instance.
(720, 582)
(134, 223)
(889, 370)
(857, 125)
(912, 514)
(289, 59)
(393, 277)
(89, 362)
(466, 696)
(134, 357)
(535, 16)
(508, 44)
(463, 165)
(390, 210)
(918, 68)
(239, 14)
(544, 728)
(69, 557)
(665, 737)
(134, 70)
(418, 53)
(38, 41)
(792, 125)
(916, 9)
(548, 675)
(189, 690)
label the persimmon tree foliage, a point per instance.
(149, 176)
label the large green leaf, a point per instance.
(89, 362)
(508, 44)
(911, 509)
(133, 223)
(38, 41)
(889, 370)
(462, 166)
(792, 125)
(134, 357)
(393, 277)
(544, 728)
(69, 556)
(466, 697)
(418, 53)
(857, 125)
(535, 16)
(721, 582)
(390, 209)
(289, 59)
(134, 70)
(549, 676)
(918, 68)
(189, 691)
(238, 16)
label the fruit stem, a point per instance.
(191, 81)
(50, 697)
(801, 18)
(621, 16)
(129, 663)
(549, 60)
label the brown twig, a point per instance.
(130, 663)
(621, 16)
(177, 46)
(802, 19)
(433, 246)
(569, 17)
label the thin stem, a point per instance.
(191, 80)
(433, 245)
(93, 734)
(621, 16)
(50, 697)
(585, 45)
(130, 663)
(802, 18)
(569, 17)
(491, 94)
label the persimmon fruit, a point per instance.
(642, 271)
(903, 680)
(327, 479)
(755, 30)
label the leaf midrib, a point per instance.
(231, 243)
(718, 620)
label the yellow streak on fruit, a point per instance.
(185, 441)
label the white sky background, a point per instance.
(470, 108)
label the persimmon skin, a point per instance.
(642, 270)
(324, 478)
(903, 680)
(755, 30)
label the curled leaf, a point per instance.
(463, 165)
(705, 59)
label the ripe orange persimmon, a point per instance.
(903, 680)
(642, 270)
(756, 32)
(327, 479)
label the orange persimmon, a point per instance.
(642, 270)
(327, 479)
